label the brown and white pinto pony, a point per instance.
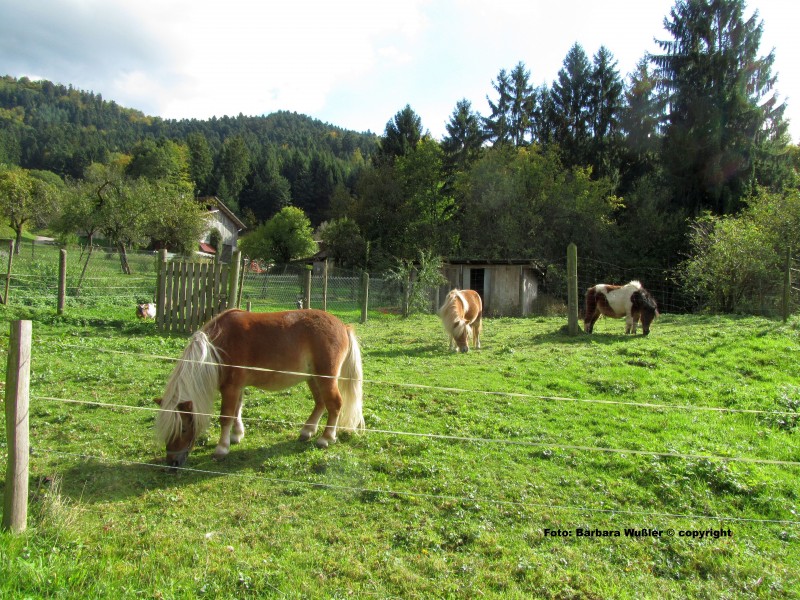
(461, 316)
(271, 351)
(631, 301)
(146, 311)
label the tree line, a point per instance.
(641, 171)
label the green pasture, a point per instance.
(468, 460)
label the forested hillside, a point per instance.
(681, 172)
(267, 160)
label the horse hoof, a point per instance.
(220, 453)
(304, 436)
(323, 443)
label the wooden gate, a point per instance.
(190, 293)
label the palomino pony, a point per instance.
(631, 301)
(461, 315)
(271, 351)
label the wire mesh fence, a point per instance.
(93, 276)
(764, 299)
(273, 288)
(96, 277)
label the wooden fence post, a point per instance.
(407, 295)
(62, 281)
(8, 273)
(787, 285)
(364, 296)
(233, 279)
(325, 285)
(18, 376)
(161, 289)
(572, 289)
(307, 288)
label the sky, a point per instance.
(350, 63)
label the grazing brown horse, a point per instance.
(461, 316)
(271, 351)
(631, 301)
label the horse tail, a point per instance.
(195, 379)
(351, 375)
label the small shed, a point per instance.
(224, 224)
(507, 287)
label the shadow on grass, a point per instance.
(562, 336)
(93, 480)
(400, 350)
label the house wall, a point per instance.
(509, 290)
(227, 230)
(502, 296)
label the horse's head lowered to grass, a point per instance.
(271, 351)
(461, 315)
(631, 301)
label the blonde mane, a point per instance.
(195, 378)
(452, 318)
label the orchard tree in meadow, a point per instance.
(285, 237)
(175, 219)
(344, 242)
(26, 199)
(723, 115)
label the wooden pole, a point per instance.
(407, 295)
(787, 284)
(325, 285)
(18, 376)
(161, 289)
(62, 281)
(8, 273)
(364, 296)
(307, 288)
(572, 289)
(233, 279)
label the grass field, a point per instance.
(470, 464)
